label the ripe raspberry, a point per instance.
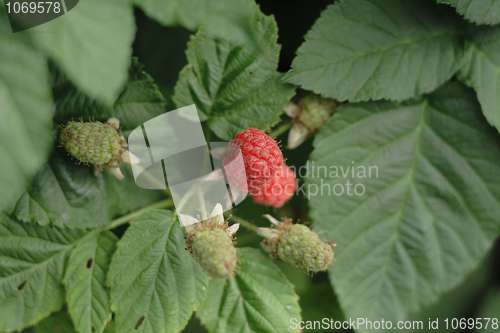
(93, 142)
(261, 156)
(278, 190)
(297, 244)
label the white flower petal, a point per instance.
(232, 229)
(114, 122)
(273, 220)
(292, 110)
(116, 172)
(267, 233)
(296, 136)
(187, 220)
(217, 216)
(128, 157)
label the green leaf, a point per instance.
(234, 87)
(228, 18)
(477, 11)
(110, 327)
(26, 112)
(57, 323)
(258, 298)
(70, 195)
(372, 49)
(139, 101)
(489, 309)
(87, 297)
(480, 69)
(32, 263)
(420, 200)
(92, 43)
(458, 301)
(155, 283)
(318, 302)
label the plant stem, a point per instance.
(244, 223)
(282, 128)
(201, 200)
(124, 219)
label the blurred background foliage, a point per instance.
(162, 51)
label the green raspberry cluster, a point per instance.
(211, 243)
(213, 249)
(316, 111)
(93, 142)
(302, 247)
(297, 244)
(309, 112)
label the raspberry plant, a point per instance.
(389, 105)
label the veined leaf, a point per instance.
(234, 87)
(70, 195)
(372, 49)
(85, 278)
(93, 44)
(480, 69)
(26, 113)
(139, 101)
(258, 298)
(228, 18)
(32, 263)
(416, 203)
(155, 283)
(477, 11)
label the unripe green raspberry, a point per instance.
(302, 247)
(297, 244)
(213, 249)
(211, 243)
(93, 142)
(310, 113)
(316, 110)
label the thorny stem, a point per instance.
(244, 223)
(282, 128)
(124, 219)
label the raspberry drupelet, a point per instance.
(277, 190)
(261, 157)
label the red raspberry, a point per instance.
(278, 190)
(261, 156)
